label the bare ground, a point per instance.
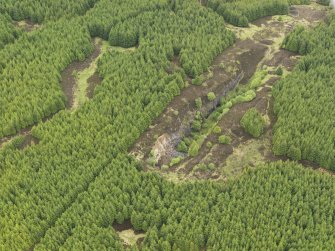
(68, 76)
(68, 83)
(93, 82)
(258, 47)
(27, 25)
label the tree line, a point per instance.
(8, 32)
(304, 100)
(39, 11)
(278, 206)
(41, 182)
(67, 191)
(241, 12)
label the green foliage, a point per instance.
(67, 191)
(211, 96)
(204, 167)
(200, 214)
(304, 100)
(294, 153)
(196, 125)
(40, 183)
(257, 79)
(193, 149)
(209, 144)
(217, 130)
(30, 73)
(40, 10)
(175, 161)
(241, 12)
(198, 103)
(177, 33)
(279, 71)
(323, 2)
(245, 97)
(198, 80)
(182, 147)
(224, 139)
(8, 32)
(253, 122)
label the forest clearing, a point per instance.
(167, 125)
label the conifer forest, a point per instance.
(167, 125)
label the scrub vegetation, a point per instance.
(85, 83)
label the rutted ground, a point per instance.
(257, 48)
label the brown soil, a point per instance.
(180, 110)
(311, 15)
(283, 57)
(28, 141)
(27, 25)
(245, 55)
(68, 83)
(230, 125)
(68, 75)
(93, 82)
(126, 225)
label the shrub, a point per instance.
(196, 125)
(198, 80)
(211, 166)
(211, 96)
(165, 167)
(175, 161)
(198, 103)
(246, 97)
(279, 71)
(209, 144)
(194, 149)
(182, 147)
(253, 122)
(223, 139)
(217, 129)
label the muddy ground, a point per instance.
(68, 76)
(68, 84)
(256, 48)
(93, 82)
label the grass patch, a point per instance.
(247, 155)
(82, 77)
(244, 32)
(129, 237)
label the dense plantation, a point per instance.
(136, 88)
(240, 12)
(8, 32)
(69, 189)
(30, 73)
(41, 10)
(279, 206)
(304, 100)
